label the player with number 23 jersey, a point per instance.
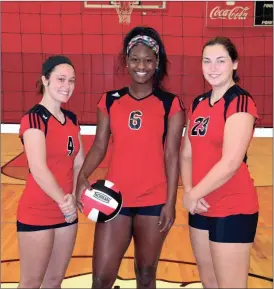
(206, 134)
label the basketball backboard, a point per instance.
(135, 4)
(125, 8)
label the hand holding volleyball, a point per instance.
(102, 201)
(82, 183)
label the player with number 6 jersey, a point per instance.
(146, 124)
(137, 126)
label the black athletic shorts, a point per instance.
(231, 229)
(31, 228)
(147, 211)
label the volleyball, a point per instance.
(102, 201)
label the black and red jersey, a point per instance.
(206, 133)
(139, 129)
(62, 145)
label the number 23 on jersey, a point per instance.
(200, 126)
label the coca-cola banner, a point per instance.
(229, 14)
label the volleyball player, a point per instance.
(146, 124)
(218, 191)
(47, 212)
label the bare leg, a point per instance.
(201, 249)
(35, 250)
(64, 240)
(148, 242)
(110, 244)
(231, 263)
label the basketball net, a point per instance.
(124, 11)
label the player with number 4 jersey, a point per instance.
(47, 218)
(62, 145)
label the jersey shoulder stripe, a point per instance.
(71, 115)
(117, 93)
(199, 99)
(163, 94)
(242, 96)
(39, 110)
(167, 98)
(113, 95)
(37, 115)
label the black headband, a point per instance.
(53, 61)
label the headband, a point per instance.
(150, 42)
(53, 61)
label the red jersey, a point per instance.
(139, 128)
(62, 145)
(206, 133)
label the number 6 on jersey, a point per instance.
(135, 120)
(70, 146)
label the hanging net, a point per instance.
(124, 10)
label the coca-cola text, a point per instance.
(236, 13)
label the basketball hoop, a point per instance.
(124, 10)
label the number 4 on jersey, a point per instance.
(200, 126)
(70, 146)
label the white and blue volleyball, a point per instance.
(102, 201)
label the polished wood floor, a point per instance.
(177, 266)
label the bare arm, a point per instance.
(99, 147)
(35, 148)
(78, 162)
(174, 137)
(237, 135)
(186, 162)
(95, 155)
(186, 172)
